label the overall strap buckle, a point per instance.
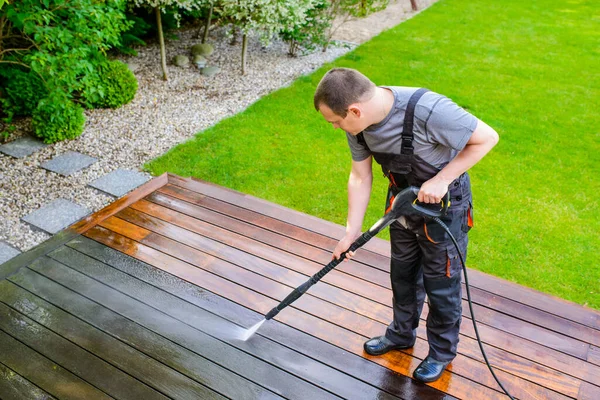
(408, 126)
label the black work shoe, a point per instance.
(380, 345)
(430, 370)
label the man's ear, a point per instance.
(355, 109)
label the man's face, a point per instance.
(351, 123)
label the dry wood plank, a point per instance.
(297, 218)
(484, 281)
(400, 362)
(174, 209)
(348, 363)
(501, 304)
(181, 332)
(119, 204)
(542, 336)
(14, 387)
(276, 355)
(588, 392)
(466, 365)
(92, 369)
(44, 373)
(536, 316)
(275, 225)
(594, 355)
(542, 301)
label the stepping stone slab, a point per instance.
(119, 182)
(68, 163)
(22, 147)
(56, 216)
(7, 252)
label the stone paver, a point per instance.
(7, 252)
(56, 216)
(22, 147)
(68, 163)
(119, 182)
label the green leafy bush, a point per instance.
(57, 118)
(111, 86)
(311, 32)
(21, 91)
(62, 42)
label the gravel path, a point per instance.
(162, 115)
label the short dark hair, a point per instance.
(341, 87)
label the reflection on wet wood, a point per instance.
(44, 373)
(151, 302)
(14, 386)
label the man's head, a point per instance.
(339, 96)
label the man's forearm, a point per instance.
(359, 193)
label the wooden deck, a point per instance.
(147, 299)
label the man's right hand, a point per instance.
(343, 245)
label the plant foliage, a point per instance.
(61, 42)
(111, 86)
(57, 118)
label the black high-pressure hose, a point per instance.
(405, 203)
(464, 267)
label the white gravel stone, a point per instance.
(162, 115)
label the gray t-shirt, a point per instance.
(441, 128)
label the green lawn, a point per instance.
(529, 69)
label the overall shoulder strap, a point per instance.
(409, 117)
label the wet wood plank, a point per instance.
(92, 369)
(322, 351)
(96, 340)
(44, 373)
(14, 387)
(53, 300)
(183, 332)
(342, 337)
(275, 355)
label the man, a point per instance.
(419, 138)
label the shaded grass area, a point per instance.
(528, 70)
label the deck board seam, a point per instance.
(103, 331)
(284, 266)
(300, 310)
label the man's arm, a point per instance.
(359, 193)
(482, 140)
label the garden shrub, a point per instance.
(57, 118)
(112, 85)
(21, 91)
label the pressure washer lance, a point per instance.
(404, 204)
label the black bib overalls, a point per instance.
(424, 259)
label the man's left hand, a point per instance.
(434, 190)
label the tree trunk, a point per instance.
(413, 4)
(244, 48)
(163, 55)
(207, 24)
